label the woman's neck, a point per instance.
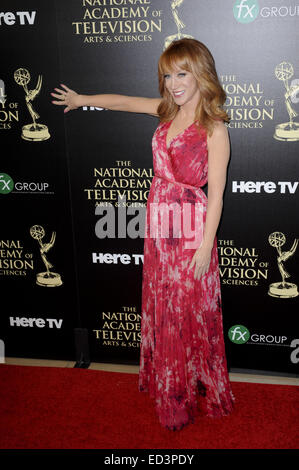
(187, 115)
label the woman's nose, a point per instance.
(173, 83)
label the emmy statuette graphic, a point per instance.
(283, 289)
(33, 132)
(287, 131)
(48, 278)
(179, 24)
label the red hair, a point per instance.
(193, 56)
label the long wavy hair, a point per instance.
(193, 56)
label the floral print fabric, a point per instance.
(182, 358)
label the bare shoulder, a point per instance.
(219, 132)
(219, 137)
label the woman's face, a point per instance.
(182, 86)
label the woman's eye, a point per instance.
(182, 74)
(166, 75)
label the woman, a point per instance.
(182, 362)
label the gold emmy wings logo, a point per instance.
(33, 132)
(179, 24)
(283, 289)
(48, 278)
(287, 131)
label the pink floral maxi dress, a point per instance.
(182, 358)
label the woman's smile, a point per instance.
(182, 86)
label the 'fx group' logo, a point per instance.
(6, 183)
(246, 11)
(238, 334)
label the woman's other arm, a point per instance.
(133, 104)
(218, 158)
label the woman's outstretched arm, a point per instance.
(72, 100)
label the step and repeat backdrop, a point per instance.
(74, 187)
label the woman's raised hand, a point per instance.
(66, 97)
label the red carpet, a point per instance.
(62, 408)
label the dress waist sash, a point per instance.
(184, 185)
